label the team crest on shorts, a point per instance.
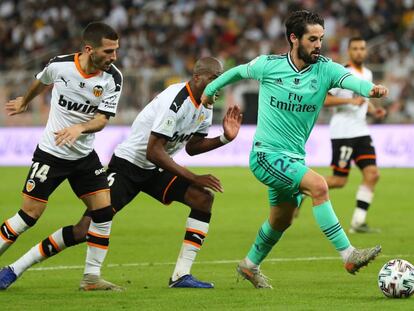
(30, 185)
(97, 90)
(342, 164)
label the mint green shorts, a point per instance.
(281, 173)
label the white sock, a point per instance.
(364, 199)
(10, 230)
(250, 264)
(346, 253)
(196, 232)
(96, 252)
(45, 249)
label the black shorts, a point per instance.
(126, 180)
(359, 149)
(86, 175)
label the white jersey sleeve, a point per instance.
(111, 97)
(165, 122)
(49, 73)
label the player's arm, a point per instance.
(20, 104)
(231, 126)
(376, 112)
(342, 78)
(332, 101)
(70, 134)
(251, 70)
(156, 154)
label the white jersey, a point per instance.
(174, 114)
(76, 97)
(349, 120)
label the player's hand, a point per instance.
(232, 122)
(68, 135)
(207, 101)
(16, 106)
(357, 101)
(208, 181)
(378, 91)
(380, 113)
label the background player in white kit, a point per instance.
(173, 119)
(86, 91)
(351, 139)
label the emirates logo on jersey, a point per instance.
(97, 90)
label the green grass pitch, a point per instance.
(306, 271)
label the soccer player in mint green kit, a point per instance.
(292, 91)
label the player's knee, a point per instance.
(205, 201)
(319, 188)
(373, 176)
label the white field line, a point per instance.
(211, 262)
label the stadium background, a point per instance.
(160, 40)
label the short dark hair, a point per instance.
(96, 31)
(297, 21)
(357, 38)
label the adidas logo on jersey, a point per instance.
(85, 108)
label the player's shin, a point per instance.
(196, 231)
(266, 238)
(13, 227)
(49, 247)
(98, 239)
(330, 226)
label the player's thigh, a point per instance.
(364, 152)
(282, 174)
(43, 178)
(167, 187)
(125, 181)
(342, 152)
(89, 181)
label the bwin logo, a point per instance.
(85, 108)
(181, 138)
(100, 171)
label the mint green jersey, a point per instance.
(289, 100)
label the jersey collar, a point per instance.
(190, 93)
(83, 73)
(290, 62)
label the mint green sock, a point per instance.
(330, 226)
(266, 238)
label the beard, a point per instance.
(308, 58)
(99, 63)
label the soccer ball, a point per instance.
(396, 279)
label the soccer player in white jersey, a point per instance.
(351, 139)
(86, 91)
(174, 119)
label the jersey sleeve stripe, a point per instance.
(160, 135)
(117, 76)
(343, 78)
(64, 58)
(200, 134)
(107, 113)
